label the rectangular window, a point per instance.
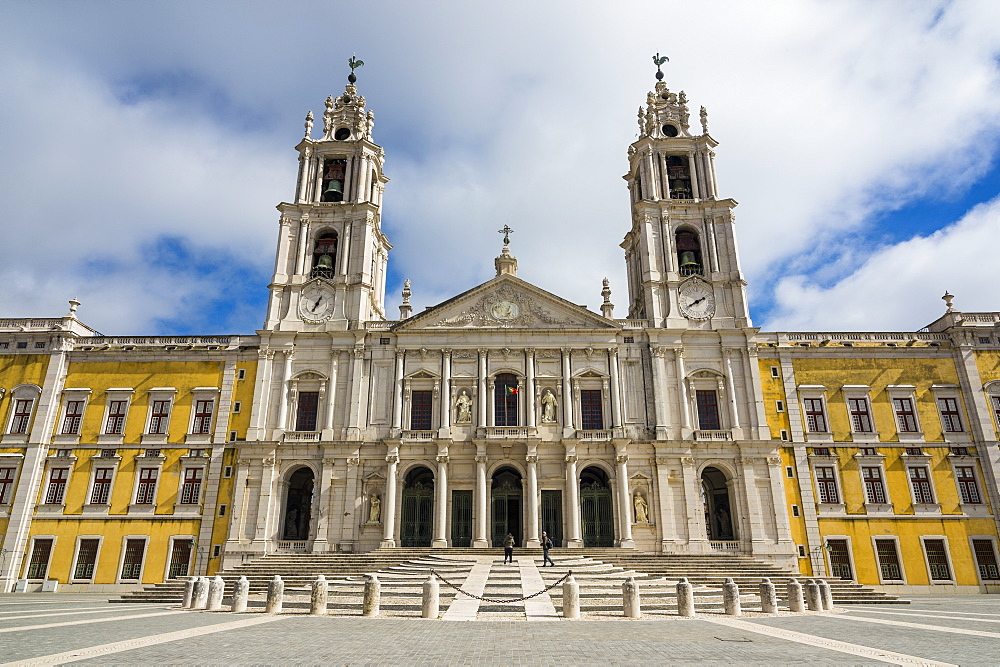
(868, 451)
(305, 413)
(950, 419)
(779, 406)
(774, 372)
(986, 560)
(996, 408)
(921, 484)
(826, 482)
(906, 420)
(146, 492)
(937, 560)
(784, 435)
(22, 415)
(180, 558)
(227, 471)
(57, 486)
(203, 416)
(861, 418)
(132, 563)
(237, 407)
(38, 565)
(421, 409)
(708, 409)
(6, 484)
(232, 436)
(591, 409)
(505, 394)
(967, 486)
(102, 486)
(222, 509)
(815, 417)
(789, 472)
(888, 560)
(795, 510)
(874, 486)
(914, 451)
(802, 551)
(86, 559)
(960, 451)
(74, 415)
(116, 417)
(159, 417)
(241, 374)
(153, 453)
(191, 489)
(840, 559)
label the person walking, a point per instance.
(508, 549)
(546, 545)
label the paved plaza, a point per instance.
(64, 628)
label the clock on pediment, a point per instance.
(316, 302)
(696, 300)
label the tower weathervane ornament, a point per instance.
(658, 60)
(506, 231)
(354, 63)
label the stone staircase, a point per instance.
(599, 572)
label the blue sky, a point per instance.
(146, 145)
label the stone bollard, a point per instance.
(571, 598)
(768, 597)
(813, 601)
(826, 594)
(200, 600)
(685, 598)
(731, 598)
(216, 589)
(373, 596)
(794, 591)
(275, 592)
(630, 599)
(430, 606)
(241, 591)
(189, 592)
(320, 596)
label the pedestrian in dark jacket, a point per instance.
(508, 549)
(546, 545)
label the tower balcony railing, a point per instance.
(691, 270)
(713, 436)
(501, 432)
(419, 435)
(596, 435)
(301, 436)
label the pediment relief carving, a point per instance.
(507, 307)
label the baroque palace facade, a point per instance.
(679, 429)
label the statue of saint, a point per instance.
(375, 509)
(548, 407)
(641, 509)
(463, 408)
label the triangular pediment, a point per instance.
(506, 302)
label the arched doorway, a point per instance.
(505, 504)
(418, 509)
(298, 505)
(718, 509)
(596, 516)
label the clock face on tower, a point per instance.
(316, 303)
(696, 300)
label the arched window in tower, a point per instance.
(688, 253)
(324, 256)
(371, 196)
(678, 177)
(334, 171)
(505, 394)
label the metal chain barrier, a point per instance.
(504, 601)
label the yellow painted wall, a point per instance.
(16, 369)
(793, 496)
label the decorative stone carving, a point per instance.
(621, 459)
(442, 458)
(505, 307)
(687, 461)
(548, 407)
(463, 408)
(374, 508)
(354, 461)
(531, 459)
(641, 508)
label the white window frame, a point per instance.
(13, 462)
(121, 559)
(142, 463)
(420, 380)
(170, 551)
(992, 390)
(99, 462)
(996, 554)
(970, 461)
(814, 392)
(112, 395)
(157, 394)
(71, 394)
(952, 392)
(831, 461)
(947, 555)
(71, 576)
(923, 461)
(907, 391)
(31, 551)
(30, 392)
(203, 394)
(850, 555)
(860, 392)
(51, 463)
(899, 559)
(876, 461)
(188, 463)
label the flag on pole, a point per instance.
(511, 391)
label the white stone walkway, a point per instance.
(538, 608)
(463, 607)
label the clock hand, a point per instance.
(315, 305)
(696, 301)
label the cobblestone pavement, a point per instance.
(63, 628)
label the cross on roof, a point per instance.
(506, 231)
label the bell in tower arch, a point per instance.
(688, 259)
(334, 191)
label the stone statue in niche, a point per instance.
(374, 509)
(548, 407)
(641, 509)
(463, 408)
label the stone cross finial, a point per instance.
(506, 231)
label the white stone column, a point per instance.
(624, 499)
(664, 498)
(654, 187)
(285, 388)
(441, 501)
(682, 391)
(697, 535)
(660, 394)
(344, 249)
(445, 389)
(331, 402)
(324, 496)
(355, 401)
(755, 520)
(300, 255)
(572, 501)
(266, 504)
(481, 400)
(482, 538)
(529, 394)
(352, 501)
(567, 389)
(397, 403)
(695, 190)
(389, 500)
(616, 395)
(531, 463)
(491, 415)
(284, 243)
(731, 387)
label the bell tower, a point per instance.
(681, 258)
(330, 264)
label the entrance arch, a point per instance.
(505, 506)
(417, 522)
(718, 505)
(298, 505)
(596, 515)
